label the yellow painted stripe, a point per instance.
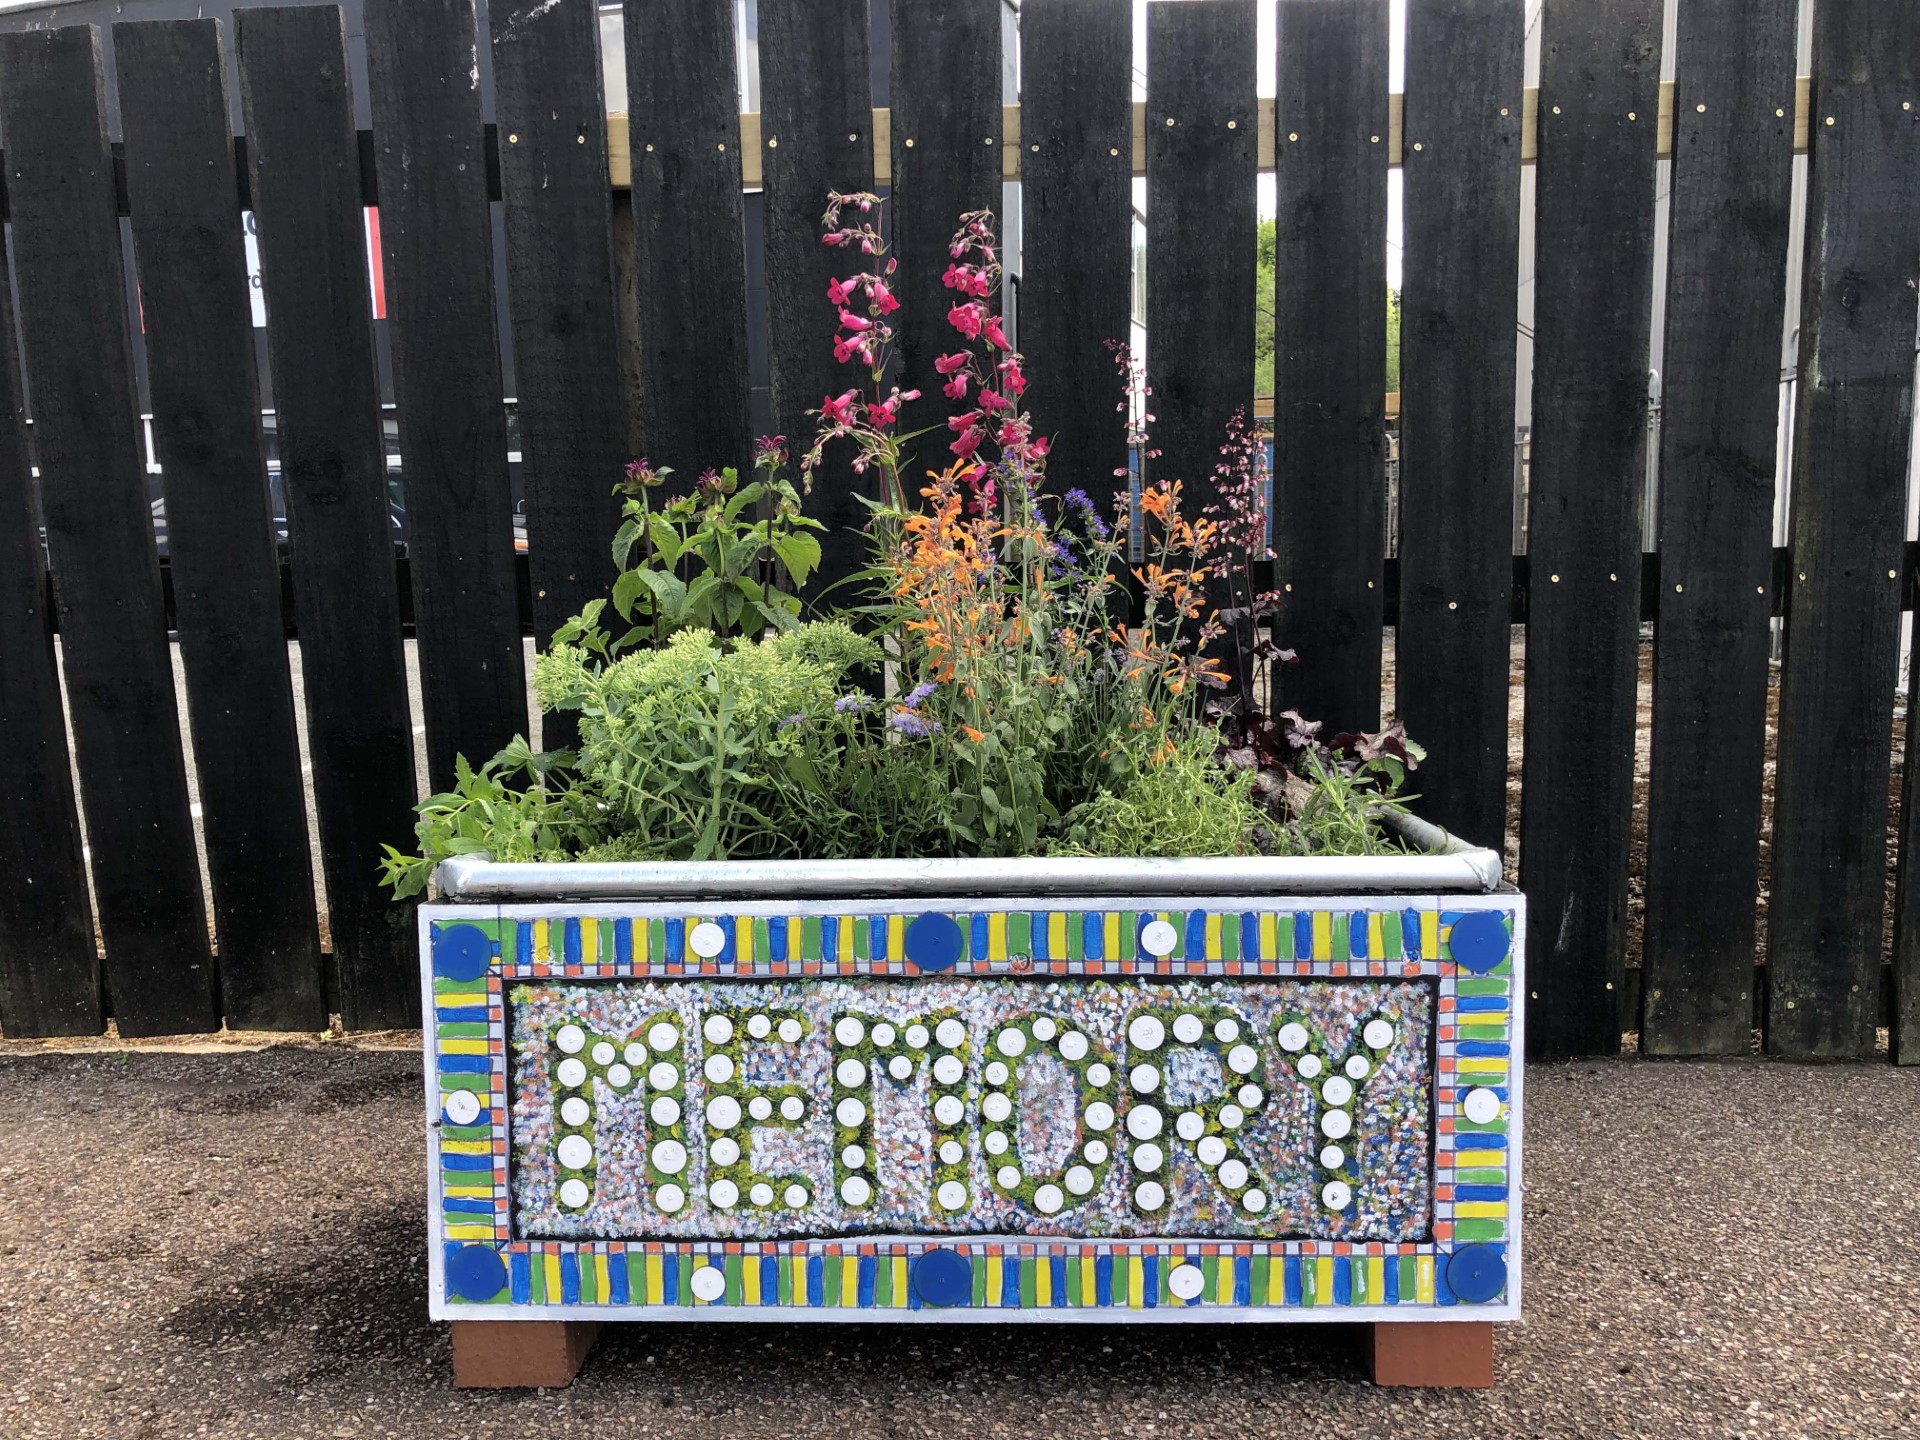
(466, 1147)
(656, 1280)
(590, 949)
(997, 936)
(1480, 1209)
(1223, 1288)
(1473, 1159)
(1323, 1280)
(1089, 1287)
(850, 1281)
(1376, 1280)
(1277, 1280)
(1377, 935)
(469, 1192)
(996, 1278)
(605, 1287)
(1057, 935)
(900, 1282)
(1322, 935)
(1269, 936)
(1043, 1282)
(462, 1046)
(1481, 1065)
(750, 1279)
(469, 1232)
(551, 1264)
(1136, 1282)
(896, 937)
(1110, 935)
(743, 939)
(542, 946)
(1213, 937)
(1423, 1279)
(460, 997)
(1430, 934)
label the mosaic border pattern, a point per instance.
(471, 954)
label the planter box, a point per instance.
(975, 1091)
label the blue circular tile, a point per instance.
(460, 952)
(1479, 940)
(1477, 1273)
(943, 1278)
(935, 942)
(475, 1272)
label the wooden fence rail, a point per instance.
(122, 929)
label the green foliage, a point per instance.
(1188, 805)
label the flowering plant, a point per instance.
(1010, 685)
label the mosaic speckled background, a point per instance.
(1390, 1149)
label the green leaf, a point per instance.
(799, 555)
(669, 593)
(623, 539)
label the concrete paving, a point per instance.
(232, 1242)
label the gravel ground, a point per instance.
(230, 1242)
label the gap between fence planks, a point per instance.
(620, 157)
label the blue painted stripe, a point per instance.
(569, 1278)
(1290, 1279)
(1442, 1295)
(465, 1064)
(1250, 936)
(676, 938)
(1196, 936)
(1410, 934)
(1479, 1140)
(1482, 1048)
(1010, 1282)
(670, 1279)
(1037, 928)
(1150, 1279)
(617, 1279)
(1343, 1279)
(462, 1014)
(1391, 1269)
(571, 944)
(623, 955)
(769, 1279)
(1093, 935)
(1303, 935)
(1479, 1192)
(877, 937)
(829, 937)
(1242, 1280)
(466, 1162)
(523, 941)
(1059, 1264)
(1357, 939)
(1484, 1002)
(777, 938)
(519, 1278)
(455, 1205)
(1103, 1280)
(976, 937)
(864, 1289)
(816, 1281)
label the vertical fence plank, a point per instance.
(73, 318)
(683, 95)
(1726, 257)
(430, 156)
(1599, 86)
(553, 176)
(1825, 918)
(946, 161)
(1330, 354)
(1459, 303)
(816, 119)
(1201, 226)
(49, 973)
(206, 423)
(305, 175)
(1076, 211)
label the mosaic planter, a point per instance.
(960, 1091)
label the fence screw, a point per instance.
(579, 139)
(909, 144)
(854, 136)
(513, 138)
(1503, 110)
(1419, 145)
(773, 142)
(1291, 134)
(1829, 121)
(1702, 109)
(1556, 109)
(1035, 148)
(1233, 124)
(1113, 150)
(1781, 112)
(1374, 138)
(1556, 579)
(1169, 121)
(987, 141)
(1632, 115)
(1678, 588)
(1453, 604)
(1614, 577)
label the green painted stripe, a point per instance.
(810, 939)
(1129, 931)
(730, 1267)
(1479, 1177)
(830, 1266)
(1019, 933)
(1259, 1278)
(979, 1281)
(1230, 935)
(461, 1029)
(657, 940)
(1394, 936)
(883, 1281)
(1342, 950)
(684, 1287)
(466, 1132)
(1076, 936)
(860, 928)
(1409, 1280)
(479, 1084)
(1482, 987)
(1309, 1281)
(1479, 1229)
(1462, 1125)
(1480, 1032)
(762, 944)
(784, 1290)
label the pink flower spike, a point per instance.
(964, 422)
(947, 364)
(838, 410)
(996, 337)
(965, 319)
(882, 297)
(833, 239)
(838, 291)
(851, 321)
(956, 388)
(909, 394)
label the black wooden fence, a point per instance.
(137, 946)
